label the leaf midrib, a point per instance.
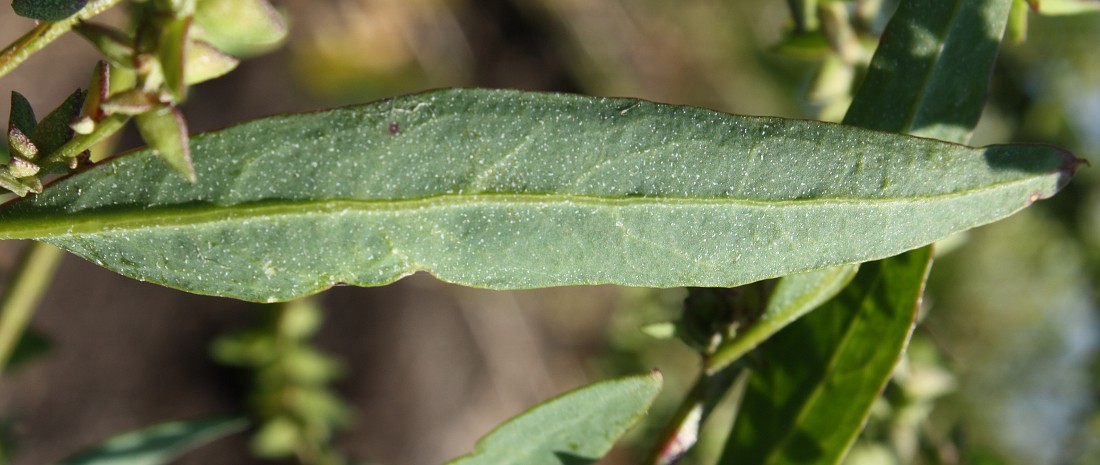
(128, 218)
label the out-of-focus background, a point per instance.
(1002, 369)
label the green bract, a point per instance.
(508, 189)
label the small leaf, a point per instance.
(240, 27)
(159, 444)
(204, 62)
(578, 427)
(47, 10)
(115, 45)
(13, 184)
(22, 168)
(508, 189)
(54, 131)
(166, 133)
(22, 115)
(173, 43)
(99, 88)
(808, 400)
(20, 145)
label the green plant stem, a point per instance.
(682, 430)
(104, 129)
(29, 281)
(36, 39)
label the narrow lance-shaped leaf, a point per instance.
(930, 75)
(807, 401)
(945, 102)
(21, 115)
(507, 189)
(577, 428)
(158, 444)
(54, 131)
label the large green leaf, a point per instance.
(809, 398)
(576, 428)
(157, 444)
(507, 189)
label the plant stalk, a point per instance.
(36, 39)
(682, 431)
(29, 282)
(104, 129)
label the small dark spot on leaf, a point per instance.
(394, 128)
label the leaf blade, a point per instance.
(158, 444)
(930, 75)
(807, 403)
(462, 183)
(576, 428)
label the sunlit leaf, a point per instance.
(576, 428)
(507, 189)
(930, 75)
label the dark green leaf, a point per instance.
(22, 115)
(930, 75)
(507, 189)
(807, 401)
(158, 444)
(54, 131)
(47, 10)
(576, 428)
